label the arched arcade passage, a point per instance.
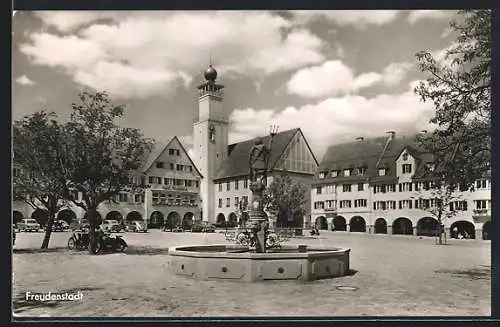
(233, 220)
(156, 220)
(41, 216)
(134, 216)
(380, 226)
(462, 229)
(321, 223)
(173, 220)
(487, 230)
(427, 226)
(67, 215)
(187, 220)
(339, 224)
(114, 215)
(357, 224)
(402, 226)
(221, 220)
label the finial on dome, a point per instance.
(210, 74)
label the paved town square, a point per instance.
(391, 276)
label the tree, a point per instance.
(460, 87)
(102, 154)
(39, 149)
(286, 199)
(439, 201)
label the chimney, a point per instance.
(392, 134)
(360, 138)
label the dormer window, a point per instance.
(430, 166)
(334, 173)
(382, 171)
(347, 172)
(406, 168)
(321, 175)
(361, 170)
(405, 156)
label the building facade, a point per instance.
(170, 195)
(381, 185)
(225, 168)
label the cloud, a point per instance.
(143, 54)
(360, 19)
(419, 15)
(24, 80)
(338, 119)
(334, 77)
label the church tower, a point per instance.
(210, 138)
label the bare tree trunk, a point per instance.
(48, 231)
(92, 215)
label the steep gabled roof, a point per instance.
(158, 148)
(236, 163)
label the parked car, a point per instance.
(28, 225)
(136, 226)
(203, 227)
(59, 226)
(112, 226)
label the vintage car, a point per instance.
(203, 227)
(136, 226)
(112, 226)
(28, 225)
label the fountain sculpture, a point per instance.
(256, 261)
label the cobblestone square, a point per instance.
(391, 276)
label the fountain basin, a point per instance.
(239, 263)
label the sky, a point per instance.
(337, 75)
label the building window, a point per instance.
(245, 183)
(159, 164)
(165, 181)
(236, 201)
(123, 197)
(151, 179)
(228, 202)
(361, 186)
(391, 188)
(179, 167)
(228, 186)
(139, 198)
(188, 183)
(220, 187)
(381, 172)
(244, 199)
(361, 170)
(379, 205)
(405, 156)
(379, 189)
(360, 203)
(171, 166)
(318, 190)
(391, 204)
(171, 152)
(405, 204)
(190, 169)
(426, 186)
(220, 203)
(334, 173)
(319, 205)
(321, 175)
(347, 172)
(346, 188)
(197, 184)
(331, 204)
(345, 204)
(407, 169)
(430, 166)
(236, 184)
(482, 183)
(178, 152)
(481, 204)
(458, 206)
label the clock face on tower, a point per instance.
(211, 133)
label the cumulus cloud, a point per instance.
(360, 19)
(418, 15)
(143, 54)
(338, 119)
(334, 77)
(24, 80)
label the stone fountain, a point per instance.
(256, 262)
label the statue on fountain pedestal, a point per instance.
(258, 159)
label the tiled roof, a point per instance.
(236, 163)
(158, 148)
(372, 154)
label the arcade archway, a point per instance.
(41, 216)
(402, 226)
(487, 230)
(321, 223)
(134, 216)
(380, 226)
(427, 226)
(173, 220)
(156, 220)
(221, 220)
(67, 215)
(462, 229)
(187, 220)
(339, 224)
(233, 220)
(357, 224)
(114, 215)
(17, 216)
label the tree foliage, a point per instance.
(459, 86)
(39, 146)
(286, 200)
(443, 197)
(102, 154)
